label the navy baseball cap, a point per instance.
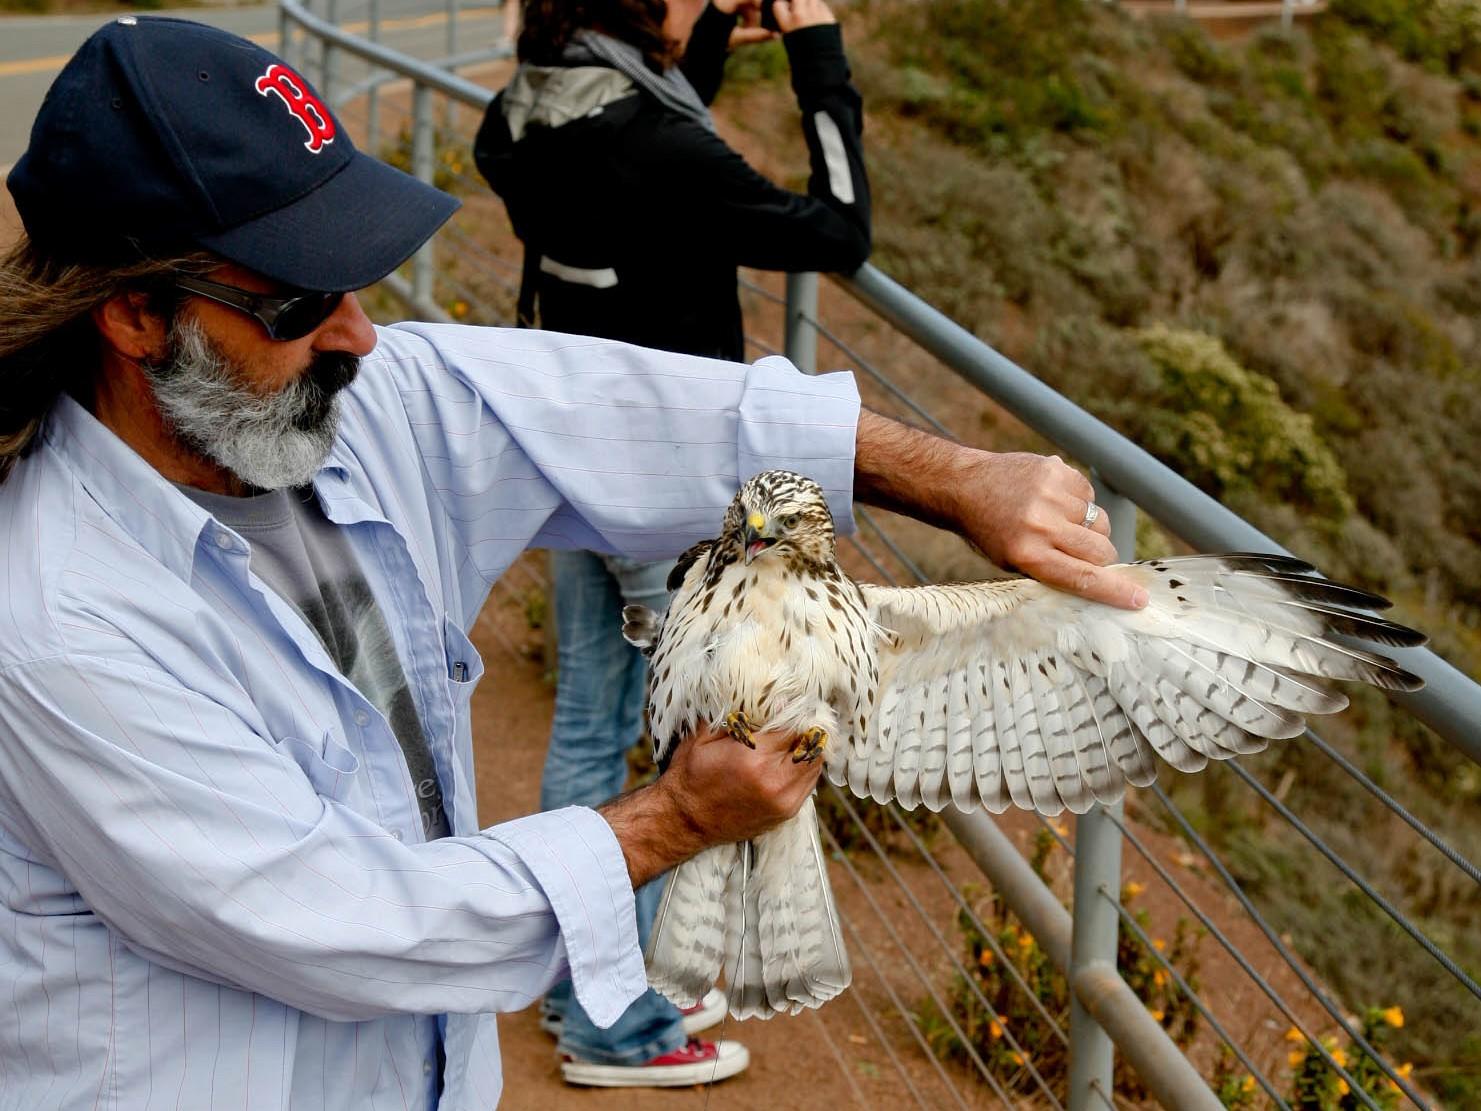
(163, 134)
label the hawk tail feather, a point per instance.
(687, 945)
(787, 949)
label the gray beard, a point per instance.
(267, 440)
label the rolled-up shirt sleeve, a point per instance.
(207, 849)
(575, 858)
(551, 440)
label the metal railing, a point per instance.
(1106, 1016)
(1228, 10)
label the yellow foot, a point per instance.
(810, 745)
(739, 726)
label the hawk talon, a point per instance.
(740, 727)
(810, 745)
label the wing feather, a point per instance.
(1088, 740)
(935, 726)
(906, 774)
(1011, 692)
(1066, 784)
(1007, 722)
(961, 714)
(987, 764)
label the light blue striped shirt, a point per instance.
(214, 891)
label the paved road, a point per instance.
(34, 48)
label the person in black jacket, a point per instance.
(633, 212)
(634, 216)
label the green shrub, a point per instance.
(1228, 430)
(1444, 34)
(983, 69)
(1192, 50)
(1316, 1085)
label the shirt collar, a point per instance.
(165, 522)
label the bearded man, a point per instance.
(242, 534)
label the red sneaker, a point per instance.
(704, 1014)
(699, 1062)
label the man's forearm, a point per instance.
(652, 831)
(1025, 512)
(908, 471)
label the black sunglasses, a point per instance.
(285, 318)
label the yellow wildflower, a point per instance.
(1405, 1069)
(1025, 941)
(987, 958)
(994, 1030)
(1295, 1057)
(1060, 829)
(1159, 978)
(1158, 944)
(1340, 1058)
(460, 309)
(1133, 889)
(1394, 1016)
(1294, 1035)
(1158, 1014)
(1017, 1057)
(1247, 1085)
(1342, 1088)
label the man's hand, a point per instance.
(1024, 512)
(714, 791)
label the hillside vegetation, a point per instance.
(1262, 261)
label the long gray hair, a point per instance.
(48, 342)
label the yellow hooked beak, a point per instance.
(759, 536)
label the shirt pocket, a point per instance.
(329, 765)
(464, 664)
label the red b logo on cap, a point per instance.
(308, 108)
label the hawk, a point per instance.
(991, 694)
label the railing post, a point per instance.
(421, 165)
(372, 97)
(329, 62)
(285, 38)
(1287, 14)
(801, 342)
(1097, 886)
(452, 51)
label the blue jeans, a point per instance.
(598, 717)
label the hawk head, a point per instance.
(780, 514)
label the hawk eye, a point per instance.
(790, 521)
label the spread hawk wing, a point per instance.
(1013, 692)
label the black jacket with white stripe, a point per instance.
(635, 217)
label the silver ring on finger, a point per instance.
(1092, 512)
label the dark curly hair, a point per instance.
(547, 26)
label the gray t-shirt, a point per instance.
(302, 555)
